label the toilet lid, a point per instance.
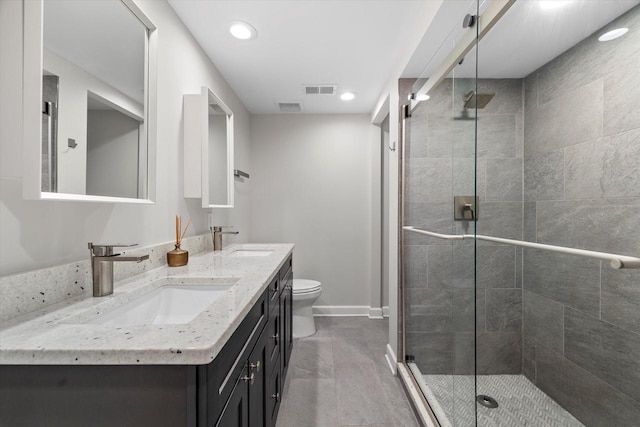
(304, 285)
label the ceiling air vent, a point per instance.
(289, 107)
(320, 89)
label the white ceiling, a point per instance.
(354, 44)
(533, 32)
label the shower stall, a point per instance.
(520, 216)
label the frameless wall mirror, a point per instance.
(208, 156)
(89, 101)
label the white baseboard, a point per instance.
(375, 313)
(341, 310)
(392, 360)
(350, 310)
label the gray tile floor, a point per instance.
(339, 377)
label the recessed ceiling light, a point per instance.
(423, 97)
(613, 34)
(242, 30)
(348, 96)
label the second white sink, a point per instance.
(169, 304)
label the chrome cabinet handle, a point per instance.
(255, 366)
(276, 396)
(275, 337)
(249, 378)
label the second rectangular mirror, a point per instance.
(208, 150)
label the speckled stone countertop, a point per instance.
(57, 335)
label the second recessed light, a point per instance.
(242, 30)
(348, 96)
(613, 34)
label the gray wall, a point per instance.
(112, 153)
(582, 189)
(312, 178)
(440, 275)
(32, 239)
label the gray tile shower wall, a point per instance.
(558, 163)
(440, 293)
(581, 334)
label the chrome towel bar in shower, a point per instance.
(616, 261)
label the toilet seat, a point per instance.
(305, 286)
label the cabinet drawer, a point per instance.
(274, 292)
(274, 338)
(286, 267)
(286, 282)
(217, 380)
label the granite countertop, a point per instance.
(57, 335)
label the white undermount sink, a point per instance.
(165, 305)
(251, 252)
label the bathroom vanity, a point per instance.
(86, 363)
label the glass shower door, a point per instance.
(439, 161)
(526, 314)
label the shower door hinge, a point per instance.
(406, 111)
(469, 20)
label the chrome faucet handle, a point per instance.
(114, 245)
(216, 235)
(107, 249)
(102, 260)
(218, 228)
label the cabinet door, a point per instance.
(217, 380)
(236, 412)
(257, 365)
(273, 397)
(286, 319)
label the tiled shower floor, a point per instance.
(520, 402)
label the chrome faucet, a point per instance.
(216, 235)
(102, 259)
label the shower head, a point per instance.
(472, 99)
(464, 116)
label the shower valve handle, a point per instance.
(467, 211)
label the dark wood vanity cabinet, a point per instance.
(246, 403)
(228, 387)
(254, 377)
(241, 387)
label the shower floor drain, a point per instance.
(487, 401)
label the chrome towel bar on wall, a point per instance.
(239, 173)
(615, 261)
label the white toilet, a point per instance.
(305, 293)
